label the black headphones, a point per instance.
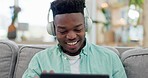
(88, 23)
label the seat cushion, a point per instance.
(8, 55)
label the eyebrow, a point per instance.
(78, 25)
(61, 27)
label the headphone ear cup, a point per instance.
(51, 29)
(88, 24)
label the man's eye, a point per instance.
(63, 32)
(77, 30)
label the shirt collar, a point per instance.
(60, 51)
(85, 48)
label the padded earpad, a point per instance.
(50, 28)
(88, 24)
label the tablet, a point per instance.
(55, 75)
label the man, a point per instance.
(74, 54)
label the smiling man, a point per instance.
(74, 54)
(70, 32)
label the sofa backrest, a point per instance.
(8, 55)
(133, 59)
(135, 62)
(26, 52)
(123, 49)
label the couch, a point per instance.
(14, 59)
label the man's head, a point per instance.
(69, 24)
(67, 6)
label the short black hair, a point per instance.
(67, 6)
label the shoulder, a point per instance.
(102, 50)
(103, 53)
(47, 52)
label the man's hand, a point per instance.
(51, 71)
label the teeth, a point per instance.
(72, 43)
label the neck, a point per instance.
(72, 54)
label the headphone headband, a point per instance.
(51, 27)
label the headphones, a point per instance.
(87, 20)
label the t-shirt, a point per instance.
(74, 63)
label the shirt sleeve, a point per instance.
(33, 69)
(118, 69)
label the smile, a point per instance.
(72, 43)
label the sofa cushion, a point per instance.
(8, 54)
(26, 52)
(135, 62)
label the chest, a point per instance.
(85, 65)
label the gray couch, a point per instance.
(14, 59)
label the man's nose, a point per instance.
(71, 35)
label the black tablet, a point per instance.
(55, 75)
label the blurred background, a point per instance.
(115, 22)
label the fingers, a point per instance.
(44, 71)
(36, 77)
(51, 71)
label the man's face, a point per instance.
(70, 31)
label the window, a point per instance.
(34, 13)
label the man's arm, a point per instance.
(33, 69)
(118, 69)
